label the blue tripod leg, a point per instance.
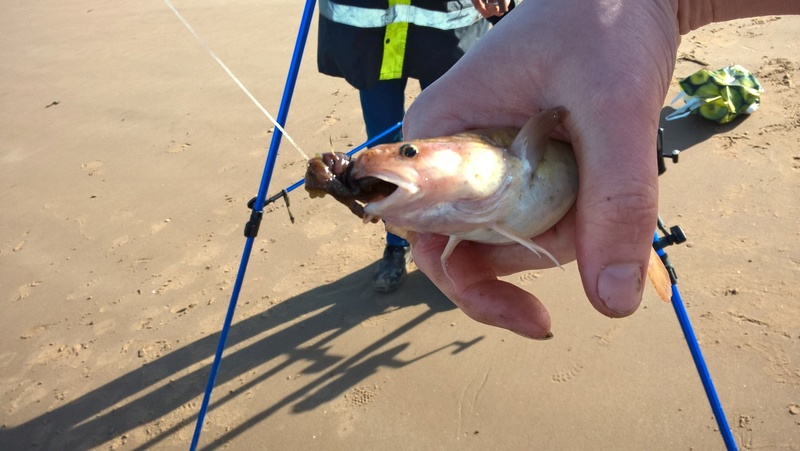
(251, 229)
(694, 348)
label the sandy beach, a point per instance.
(128, 157)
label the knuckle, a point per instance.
(632, 211)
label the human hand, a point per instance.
(609, 63)
(489, 8)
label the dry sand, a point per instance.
(127, 157)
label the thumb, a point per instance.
(617, 207)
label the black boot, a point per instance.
(391, 268)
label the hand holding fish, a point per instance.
(495, 186)
(610, 67)
(609, 63)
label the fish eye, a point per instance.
(409, 150)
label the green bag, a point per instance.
(718, 95)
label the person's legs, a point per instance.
(383, 106)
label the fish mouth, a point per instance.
(357, 186)
(373, 189)
(385, 190)
(383, 183)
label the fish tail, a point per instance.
(659, 276)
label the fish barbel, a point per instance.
(496, 186)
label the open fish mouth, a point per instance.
(373, 189)
(388, 189)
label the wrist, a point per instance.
(693, 14)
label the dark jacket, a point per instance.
(364, 41)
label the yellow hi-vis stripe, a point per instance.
(394, 46)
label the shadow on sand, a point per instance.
(317, 316)
(682, 134)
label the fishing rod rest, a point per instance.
(252, 226)
(662, 167)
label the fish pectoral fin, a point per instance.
(659, 276)
(448, 250)
(531, 141)
(513, 235)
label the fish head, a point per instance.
(426, 173)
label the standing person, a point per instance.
(376, 46)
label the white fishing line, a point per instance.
(235, 80)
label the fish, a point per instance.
(495, 186)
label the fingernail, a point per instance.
(547, 336)
(620, 287)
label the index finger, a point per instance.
(472, 284)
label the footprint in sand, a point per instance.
(94, 168)
(159, 226)
(152, 351)
(24, 291)
(608, 336)
(178, 147)
(34, 331)
(104, 327)
(28, 393)
(330, 119)
(529, 276)
(121, 241)
(360, 395)
(568, 374)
